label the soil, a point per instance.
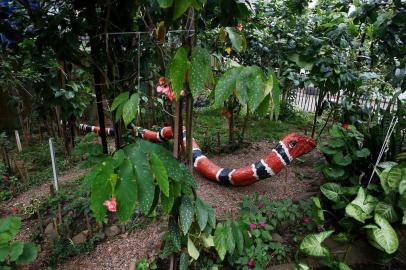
(120, 253)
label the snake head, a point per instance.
(298, 145)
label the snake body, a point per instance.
(288, 148)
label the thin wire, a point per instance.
(139, 62)
(141, 32)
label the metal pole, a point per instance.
(52, 152)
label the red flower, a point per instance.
(251, 263)
(14, 210)
(345, 125)
(252, 226)
(306, 219)
(111, 204)
(260, 205)
(262, 224)
(5, 178)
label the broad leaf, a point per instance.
(383, 237)
(336, 143)
(165, 3)
(16, 249)
(342, 160)
(160, 173)
(238, 237)
(126, 191)
(184, 261)
(332, 191)
(192, 250)
(174, 234)
(4, 251)
(362, 206)
(202, 213)
(180, 7)
(130, 109)
(311, 244)
(235, 38)
(387, 211)
(29, 254)
(364, 152)
(230, 236)
(120, 99)
(200, 70)
(333, 172)
(220, 240)
(177, 70)
(226, 85)
(186, 212)
(250, 87)
(276, 95)
(145, 185)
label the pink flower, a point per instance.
(306, 219)
(252, 226)
(260, 205)
(111, 204)
(270, 213)
(262, 224)
(251, 263)
(5, 177)
(14, 210)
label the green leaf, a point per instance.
(145, 185)
(192, 250)
(387, 211)
(200, 70)
(130, 109)
(201, 213)
(29, 254)
(265, 106)
(126, 191)
(4, 248)
(220, 240)
(301, 61)
(226, 85)
(402, 184)
(167, 202)
(327, 150)
(184, 261)
(250, 87)
(160, 173)
(362, 206)
(101, 190)
(120, 99)
(186, 212)
(333, 172)
(302, 266)
(230, 237)
(342, 160)
(212, 217)
(364, 152)
(343, 266)
(165, 3)
(16, 249)
(177, 70)
(383, 237)
(356, 212)
(403, 219)
(180, 7)
(174, 234)
(311, 244)
(332, 191)
(238, 237)
(119, 112)
(394, 177)
(11, 225)
(336, 143)
(276, 94)
(235, 38)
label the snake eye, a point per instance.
(292, 144)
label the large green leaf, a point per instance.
(250, 87)
(387, 211)
(342, 160)
(301, 61)
(235, 38)
(362, 206)
(201, 213)
(184, 261)
(200, 70)
(10, 225)
(180, 7)
(145, 185)
(165, 3)
(4, 248)
(130, 109)
(336, 142)
(226, 85)
(311, 244)
(394, 177)
(177, 70)
(364, 152)
(186, 212)
(126, 191)
(325, 149)
(120, 99)
(332, 191)
(101, 190)
(230, 236)
(29, 254)
(16, 249)
(265, 106)
(238, 237)
(160, 173)
(192, 250)
(383, 236)
(220, 240)
(167, 202)
(174, 234)
(333, 172)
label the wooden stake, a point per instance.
(18, 141)
(55, 174)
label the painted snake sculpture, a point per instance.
(289, 147)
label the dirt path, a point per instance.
(119, 253)
(42, 190)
